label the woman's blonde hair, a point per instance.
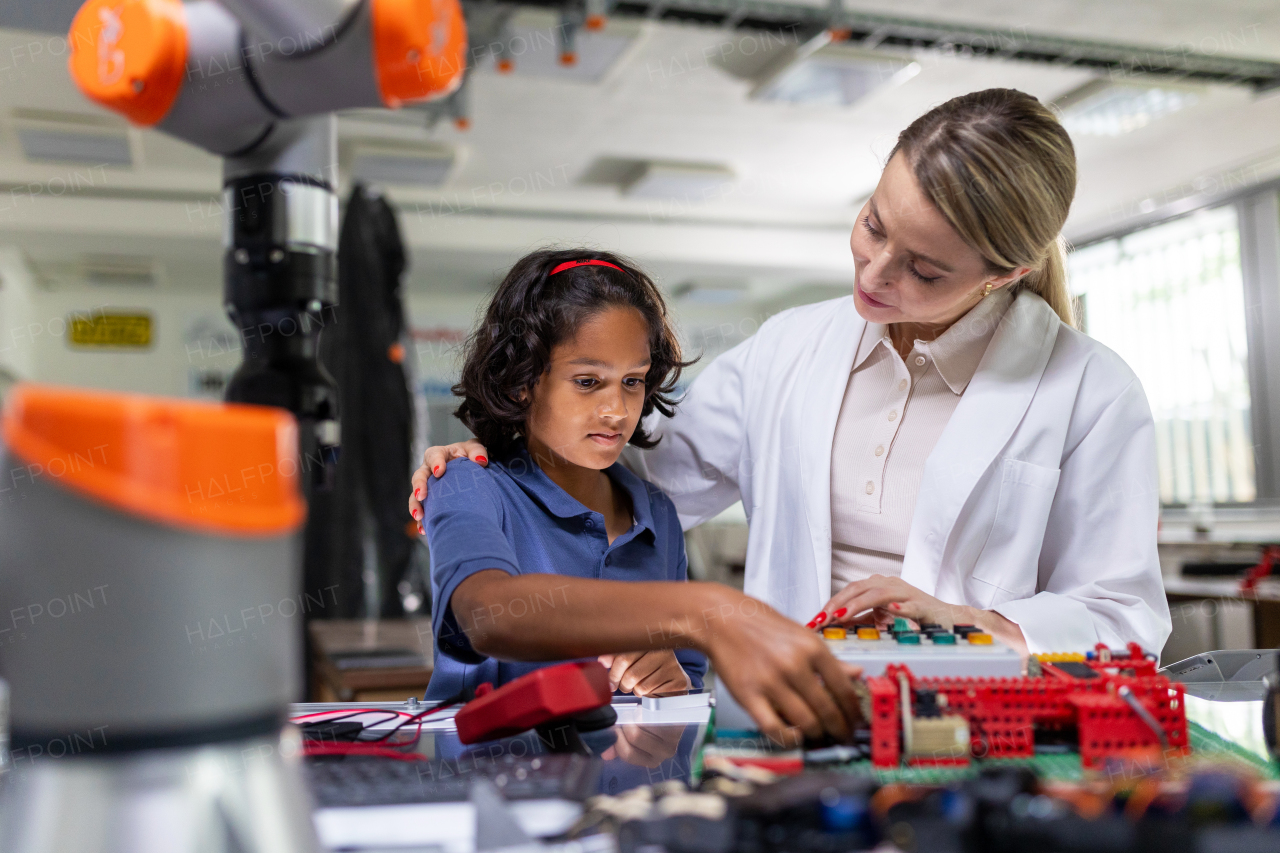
(1001, 169)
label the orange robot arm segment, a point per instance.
(130, 55)
(419, 48)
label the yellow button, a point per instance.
(833, 633)
(978, 638)
(880, 450)
(868, 634)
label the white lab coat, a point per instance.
(1039, 500)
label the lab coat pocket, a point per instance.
(1007, 568)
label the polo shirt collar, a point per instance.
(957, 351)
(555, 500)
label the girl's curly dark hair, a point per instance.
(530, 313)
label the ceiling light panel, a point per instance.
(834, 77)
(1114, 110)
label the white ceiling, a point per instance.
(526, 168)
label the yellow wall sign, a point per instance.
(131, 331)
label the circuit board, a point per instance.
(1206, 748)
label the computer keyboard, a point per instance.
(359, 780)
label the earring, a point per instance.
(987, 291)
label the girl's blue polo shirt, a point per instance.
(511, 516)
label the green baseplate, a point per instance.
(1206, 747)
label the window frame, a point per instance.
(1258, 219)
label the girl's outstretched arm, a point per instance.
(781, 674)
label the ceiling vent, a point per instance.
(417, 165)
(712, 292)
(692, 182)
(99, 269)
(47, 136)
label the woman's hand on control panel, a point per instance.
(434, 462)
(890, 597)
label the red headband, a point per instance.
(589, 263)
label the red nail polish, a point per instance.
(813, 624)
(842, 611)
(420, 530)
(821, 617)
(417, 493)
(436, 471)
(896, 606)
(482, 460)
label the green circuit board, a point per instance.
(1065, 767)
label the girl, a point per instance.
(536, 555)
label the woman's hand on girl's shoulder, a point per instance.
(434, 462)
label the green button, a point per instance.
(944, 639)
(900, 624)
(909, 637)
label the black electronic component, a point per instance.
(324, 731)
(1076, 669)
(926, 703)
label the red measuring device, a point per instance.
(531, 700)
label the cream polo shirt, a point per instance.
(893, 412)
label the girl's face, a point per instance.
(910, 265)
(586, 406)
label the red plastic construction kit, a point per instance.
(539, 697)
(1004, 714)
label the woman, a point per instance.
(943, 445)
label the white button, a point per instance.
(880, 450)
(919, 360)
(871, 487)
(893, 416)
(902, 386)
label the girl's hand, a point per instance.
(887, 598)
(653, 673)
(433, 464)
(782, 675)
(644, 746)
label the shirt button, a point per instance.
(902, 386)
(590, 523)
(893, 416)
(919, 360)
(871, 487)
(880, 450)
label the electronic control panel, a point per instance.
(930, 650)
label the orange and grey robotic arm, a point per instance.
(257, 82)
(220, 75)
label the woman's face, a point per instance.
(910, 265)
(587, 405)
